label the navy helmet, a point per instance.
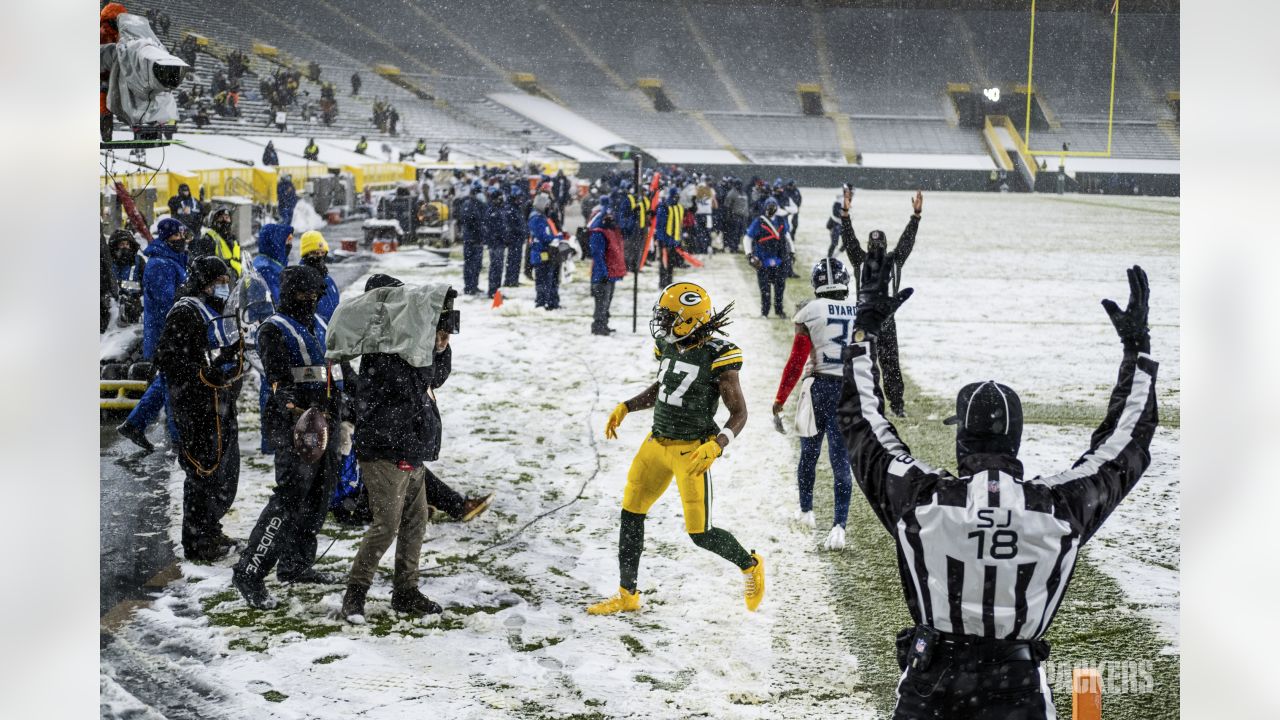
(830, 276)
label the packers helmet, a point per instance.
(681, 309)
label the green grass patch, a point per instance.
(327, 659)
(679, 681)
(274, 696)
(247, 645)
(633, 645)
(533, 646)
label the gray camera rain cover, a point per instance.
(393, 320)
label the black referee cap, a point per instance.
(988, 408)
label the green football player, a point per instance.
(695, 370)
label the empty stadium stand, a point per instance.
(728, 72)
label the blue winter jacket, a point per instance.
(329, 301)
(515, 232)
(273, 255)
(769, 240)
(471, 212)
(166, 269)
(286, 200)
(542, 238)
(495, 224)
(660, 230)
(130, 275)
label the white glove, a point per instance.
(806, 519)
(346, 432)
(835, 539)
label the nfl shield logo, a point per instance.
(993, 486)
(920, 645)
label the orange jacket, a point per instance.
(107, 34)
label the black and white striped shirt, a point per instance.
(988, 553)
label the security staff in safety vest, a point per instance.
(199, 355)
(219, 240)
(291, 344)
(669, 228)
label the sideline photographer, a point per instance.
(398, 427)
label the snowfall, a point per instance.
(1007, 288)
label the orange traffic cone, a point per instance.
(497, 298)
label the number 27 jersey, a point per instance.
(689, 388)
(830, 324)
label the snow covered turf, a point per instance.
(524, 412)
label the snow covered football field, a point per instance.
(1007, 287)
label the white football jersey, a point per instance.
(830, 324)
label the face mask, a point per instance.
(123, 256)
(317, 262)
(222, 291)
(178, 243)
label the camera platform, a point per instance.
(137, 144)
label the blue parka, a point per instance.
(495, 224)
(514, 231)
(329, 301)
(286, 200)
(769, 240)
(166, 269)
(273, 255)
(542, 238)
(471, 213)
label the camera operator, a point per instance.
(291, 344)
(126, 268)
(397, 432)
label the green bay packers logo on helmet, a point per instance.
(681, 309)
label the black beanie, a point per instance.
(381, 280)
(301, 278)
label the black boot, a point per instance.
(254, 592)
(353, 604)
(135, 435)
(413, 602)
(205, 550)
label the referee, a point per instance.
(985, 556)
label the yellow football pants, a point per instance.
(656, 462)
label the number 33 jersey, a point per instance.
(689, 387)
(830, 324)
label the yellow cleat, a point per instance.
(754, 577)
(622, 602)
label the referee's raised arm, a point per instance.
(876, 453)
(1120, 449)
